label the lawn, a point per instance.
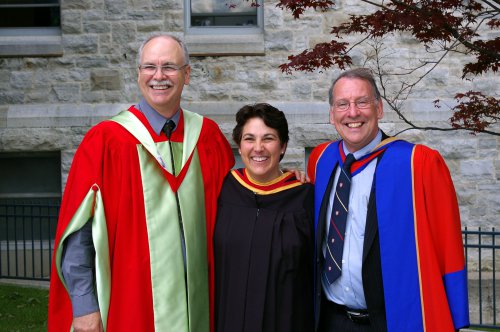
(23, 308)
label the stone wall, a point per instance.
(49, 103)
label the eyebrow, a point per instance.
(265, 135)
(163, 64)
(347, 99)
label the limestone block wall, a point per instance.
(48, 104)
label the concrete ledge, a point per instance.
(296, 112)
(87, 115)
(31, 42)
(25, 283)
(225, 44)
(59, 116)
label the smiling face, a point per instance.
(260, 150)
(163, 91)
(356, 126)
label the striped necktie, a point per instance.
(335, 241)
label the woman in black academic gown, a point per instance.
(264, 234)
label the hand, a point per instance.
(301, 176)
(88, 323)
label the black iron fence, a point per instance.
(27, 238)
(482, 253)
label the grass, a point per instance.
(23, 308)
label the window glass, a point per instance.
(221, 13)
(29, 13)
(34, 175)
(30, 195)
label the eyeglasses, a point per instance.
(166, 70)
(343, 105)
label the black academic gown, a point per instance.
(263, 245)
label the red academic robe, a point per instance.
(421, 251)
(108, 164)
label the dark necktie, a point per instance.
(168, 128)
(335, 241)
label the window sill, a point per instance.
(225, 44)
(30, 42)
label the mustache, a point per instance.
(168, 83)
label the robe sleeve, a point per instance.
(440, 236)
(313, 161)
(84, 173)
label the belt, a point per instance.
(357, 316)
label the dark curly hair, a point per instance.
(272, 117)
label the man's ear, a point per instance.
(332, 115)
(380, 109)
(187, 75)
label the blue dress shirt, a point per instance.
(348, 288)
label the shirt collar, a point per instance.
(155, 119)
(367, 148)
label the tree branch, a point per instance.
(441, 27)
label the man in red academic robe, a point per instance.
(133, 245)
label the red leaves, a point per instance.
(323, 55)
(452, 24)
(494, 23)
(297, 7)
(475, 111)
(487, 55)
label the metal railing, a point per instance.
(481, 257)
(27, 238)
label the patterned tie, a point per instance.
(335, 241)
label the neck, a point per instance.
(167, 112)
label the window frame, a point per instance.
(32, 160)
(32, 41)
(224, 40)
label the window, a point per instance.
(34, 176)
(219, 13)
(30, 195)
(307, 154)
(220, 27)
(238, 163)
(22, 14)
(30, 28)
(30, 192)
